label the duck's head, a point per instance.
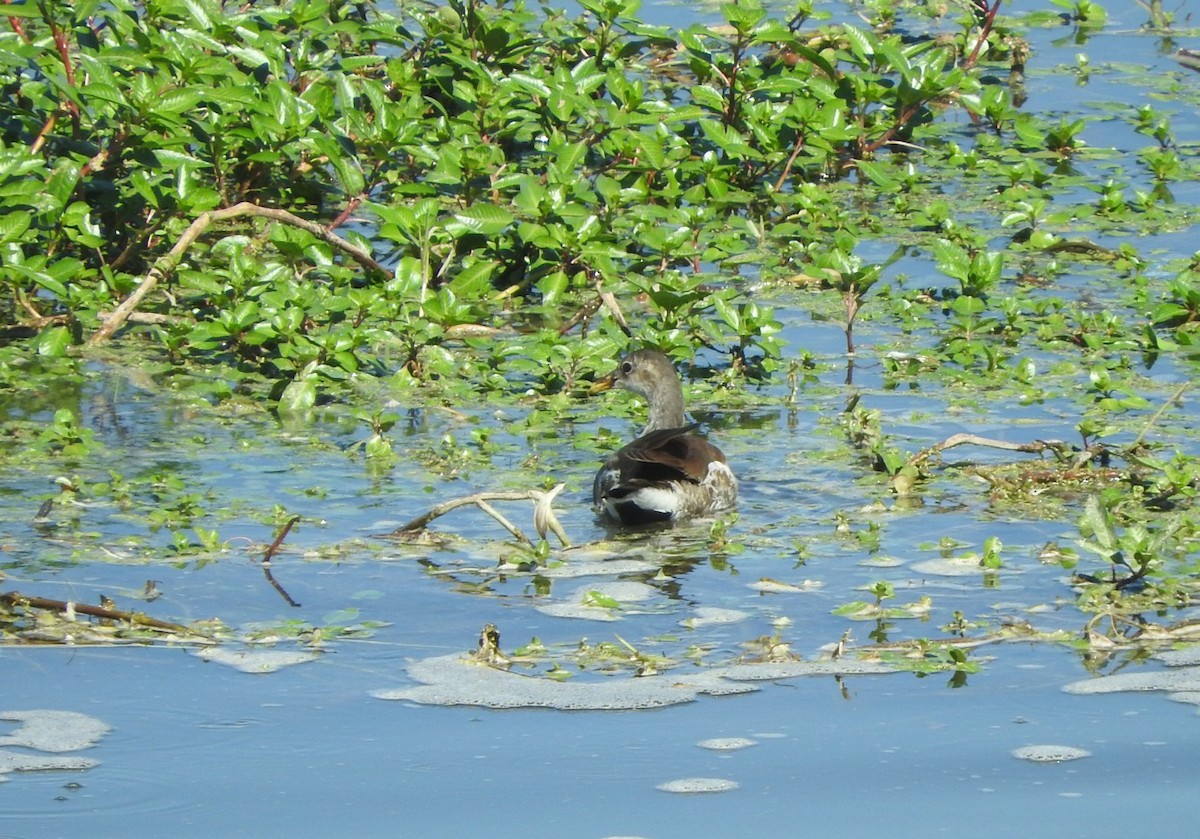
(651, 375)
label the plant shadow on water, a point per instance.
(966, 523)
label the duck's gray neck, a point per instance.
(666, 407)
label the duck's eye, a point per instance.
(627, 367)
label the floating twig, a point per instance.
(544, 518)
(13, 599)
(1058, 447)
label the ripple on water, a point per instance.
(45, 738)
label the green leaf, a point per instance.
(299, 396)
(14, 225)
(860, 42)
(1097, 525)
(484, 219)
(743, 16)
(54, 342)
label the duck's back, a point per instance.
(666, 474)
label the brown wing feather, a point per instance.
(667, 454)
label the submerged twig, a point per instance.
(287, 528)
(544, 518)
(1175, 398)
(266, 561)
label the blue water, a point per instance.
(200, 750)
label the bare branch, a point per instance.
(167, 263)
(543, 513)
(1058, 447)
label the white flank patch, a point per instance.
(649, 498)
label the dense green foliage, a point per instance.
(515, 168)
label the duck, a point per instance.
(669, 473)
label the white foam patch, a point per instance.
(954, 566)
(49, 731)
(577, 611)
(578, 603)
(453, 680)
(256, 661)
(596, 568)
(1050, 754)
(698, 785)
(20, 762)
(881, 562)
(53, 731)
(623, 591)
(1185, 657)
(458, 680)
(794, 669)
(711, 615)
(1178, 680)
(776, 587)
(727, 744)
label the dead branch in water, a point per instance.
(1061, 450)
(270, 552)
(13, 599)
(544, 519)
